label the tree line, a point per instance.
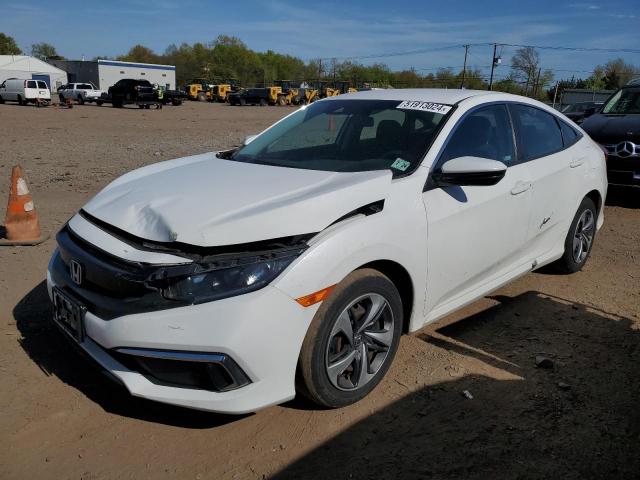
(228, 58)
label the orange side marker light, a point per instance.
(316, 297)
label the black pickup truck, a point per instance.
(128, 90)
(250, 96)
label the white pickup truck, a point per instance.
(82, 92)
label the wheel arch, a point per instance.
(596, 198)
(401, 278)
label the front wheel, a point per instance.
(352, 340)
(579, 240)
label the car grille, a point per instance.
(624, 149)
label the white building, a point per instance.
(22, 66)
(104, 73)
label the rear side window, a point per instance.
(484, 133)
(538, 132)
(569, 134)
(31, 84)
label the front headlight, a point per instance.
(226, 282)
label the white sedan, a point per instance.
(230, 281)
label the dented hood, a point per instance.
(206, 201)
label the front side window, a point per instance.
(539, 132)
(625, 101)
(484, 133)
(42, 84)
(347, 136)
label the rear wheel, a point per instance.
(263, 102)
(352, 340)
(20, 101)
(1, 100)
(243, 102)
(80, 99)
(202, 97)
(579, 240)
(61, 97)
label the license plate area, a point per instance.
(68, 314)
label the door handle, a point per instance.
(577, 162)
(520, 187)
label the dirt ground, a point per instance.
(59, 418)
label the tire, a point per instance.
(20, 101)
(202, 97)
(243, 102)
(1, 100)
(263, 102)
(580, 238)
(175, 102)
(99, 103)
(329, 356)
(61, 97)
(282, 101)
(81, 100)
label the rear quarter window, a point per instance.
(569, 134)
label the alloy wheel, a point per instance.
(359, 342)
(583, 236)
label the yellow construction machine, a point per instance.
(199, 89)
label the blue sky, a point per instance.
(339, 29)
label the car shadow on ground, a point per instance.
(55, 355)
(579, 419)
(621, 196)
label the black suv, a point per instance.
(129, 90)
(617, 128)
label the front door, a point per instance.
(476, 234)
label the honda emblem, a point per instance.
(75, 269)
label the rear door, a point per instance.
(477, 234)
(555, 168)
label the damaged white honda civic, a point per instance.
(231, 281)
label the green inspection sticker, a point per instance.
(400, 164)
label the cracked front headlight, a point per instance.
(226, 282)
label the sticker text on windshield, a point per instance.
(425, 106)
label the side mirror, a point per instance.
(248, 139)
(467, 171)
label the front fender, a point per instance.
(394, 235)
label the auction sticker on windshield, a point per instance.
(425, 106)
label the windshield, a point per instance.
(627, 100)
(350, 136)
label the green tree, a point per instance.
(8, 45)
(142, 54)
(44, 51)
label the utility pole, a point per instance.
(536, 86)
(464, 68)
(495, 61)
(555, 93)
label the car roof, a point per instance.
(435, 95)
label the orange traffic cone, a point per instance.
(21, 222)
